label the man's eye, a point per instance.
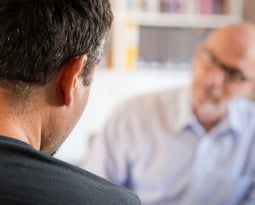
(233, 74)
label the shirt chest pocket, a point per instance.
(231, 191)
(241, 191)
(221, 190)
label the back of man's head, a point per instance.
(38, 36)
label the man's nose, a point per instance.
(216, 77)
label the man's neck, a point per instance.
(208, 126)
(23, 127)
(208, 122)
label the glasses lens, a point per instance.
(232, 74)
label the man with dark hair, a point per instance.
(48, 52)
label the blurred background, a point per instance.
(149, 48)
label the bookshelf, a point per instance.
(132, 15)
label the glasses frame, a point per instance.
(231, 73)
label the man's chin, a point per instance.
(211, 112)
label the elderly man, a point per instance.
(48, 52)
(192, 145)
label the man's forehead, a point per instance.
(233, 36)
(233, 48)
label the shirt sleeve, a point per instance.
(107, 155)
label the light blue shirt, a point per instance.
(154, 145)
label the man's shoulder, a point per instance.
(101, 191)
(98, 190)
(143, 113)
(52, 181)
(162, 99)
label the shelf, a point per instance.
(130, 21)
(176, 20)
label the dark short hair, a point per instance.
(38, 36)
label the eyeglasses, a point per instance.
(231, 73)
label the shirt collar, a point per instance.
(236, 115)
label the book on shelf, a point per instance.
(214, 7)
(132, 42)
(206, 6)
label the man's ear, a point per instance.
(68, 79)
